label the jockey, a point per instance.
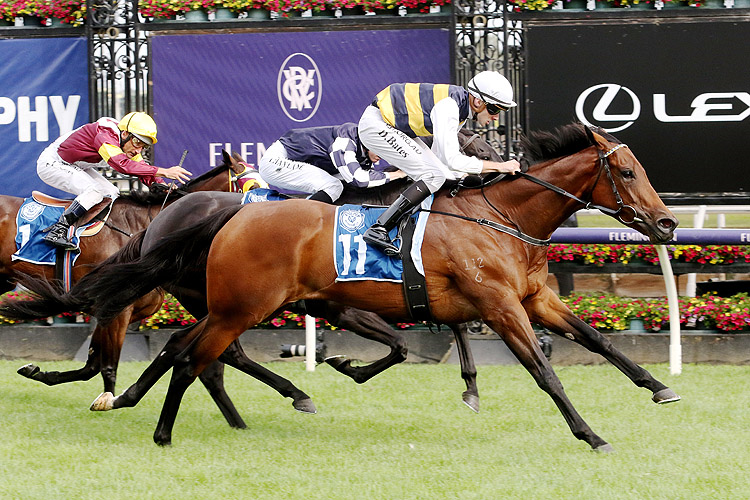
(403, 112)
(319, 160)
(68, 164)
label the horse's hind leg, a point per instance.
(87, 372)
(548, 310)
(213, 380)
(235, 357)
(520, 339)
(367, 325)
(468, 368)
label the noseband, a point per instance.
(622, 208)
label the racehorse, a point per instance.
(191, 294)
(484, 254)
(130, 214)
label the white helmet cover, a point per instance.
(492, 87)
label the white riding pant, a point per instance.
(279, 171)
(89, 186)
(410, 155)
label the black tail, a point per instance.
(49, 298)
(108, 289)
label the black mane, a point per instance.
(157, 192)
(540, 146)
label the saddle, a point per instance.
(94, 218)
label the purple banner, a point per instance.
(242, 91)
(626, 236)
(43, 94)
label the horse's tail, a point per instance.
(110, 288)
(49, 298)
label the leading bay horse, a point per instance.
(484, 254)
(129, 215)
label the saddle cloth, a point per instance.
(356, 261)
(33, 217)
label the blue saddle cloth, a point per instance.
(355, 260)
(262, 194)
(31, 220)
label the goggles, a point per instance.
(494, 109)
(138, 143)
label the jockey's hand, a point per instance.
(396, 174)
(505, 167)
(176, 172)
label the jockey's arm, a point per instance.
(445, 126)
(344, 159)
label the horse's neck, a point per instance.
(219, 181)
(534, 209)
(130, 216)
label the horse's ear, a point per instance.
(225, 156)
(589, 134)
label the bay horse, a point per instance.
(484, 254)
(130, 214)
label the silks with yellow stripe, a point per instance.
(407, 106)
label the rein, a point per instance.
(517, 233)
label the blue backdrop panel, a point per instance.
(243, 91)
(43, 93)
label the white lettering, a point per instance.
(9, 110)
(745, 237)
(214, 151)
(26, 116)
(702, 106)
(65, 114)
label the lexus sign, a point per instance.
(684, 113)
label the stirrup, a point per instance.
(378, 236)
(57, 236)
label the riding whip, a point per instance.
(171, 184)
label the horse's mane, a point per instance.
(540, 146)
(157, 192)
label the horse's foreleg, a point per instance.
(367, 325)
(468, 368)
(177, 342)
(235, 357)
(87, 372)
(520, 339)
(549, 311)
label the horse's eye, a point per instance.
(628, 174)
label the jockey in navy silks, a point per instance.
(320, 160)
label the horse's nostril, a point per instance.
(667, 224)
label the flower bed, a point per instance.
(602, 311)
(598, 255)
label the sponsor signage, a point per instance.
(685, 113)
(43, 94)
(242, 91)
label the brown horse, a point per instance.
(484, 254)
(130, 214)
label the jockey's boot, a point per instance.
(377, 234)
(321, 196)
(57, 233)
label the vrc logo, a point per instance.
(299, 87)
(707, 107)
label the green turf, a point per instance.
(403, 435)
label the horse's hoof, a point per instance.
(336, 361)
(604, 448)
(305, 406)
(29, 370)
(471, 400)
(103, 402)
(665, 396)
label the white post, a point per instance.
(698, 220)
(309, 343)
(675, 347)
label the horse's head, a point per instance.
(245, 177)
(472, 144)
(623, 186)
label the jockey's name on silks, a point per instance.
(31, 220)
(357, 261)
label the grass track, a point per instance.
(403, 435)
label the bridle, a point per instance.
(622, 208)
